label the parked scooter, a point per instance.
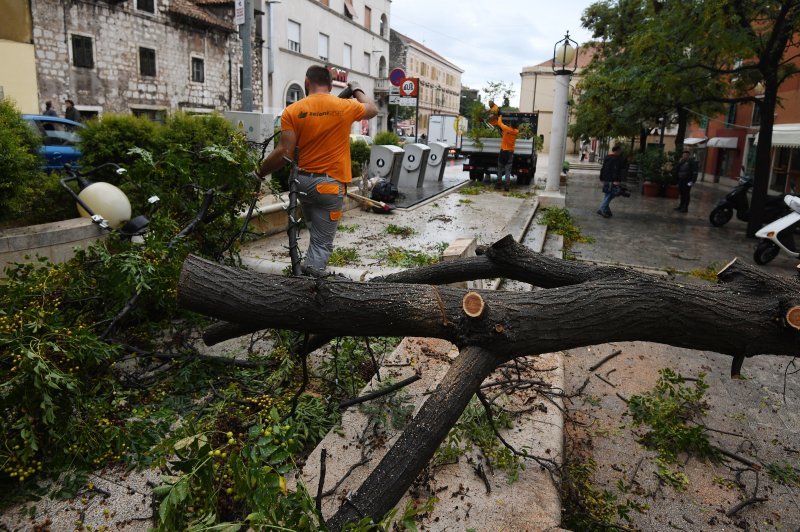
(737, 200)
(779, 235)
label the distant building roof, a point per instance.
(411, 42)
(585, 56)
(192, 11)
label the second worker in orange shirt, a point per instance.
(506, 158)
(319, 125)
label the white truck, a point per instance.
(447, 129)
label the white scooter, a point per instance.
(779, 235)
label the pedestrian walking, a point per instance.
(610, 176)
(70, 113)
(686, 170)
(48, 109)
(319, 125)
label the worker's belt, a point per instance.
(311, 174)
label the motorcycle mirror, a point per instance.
(121, 171)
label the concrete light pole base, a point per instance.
(551, 198)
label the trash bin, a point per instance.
(385, 162)
(412, 170)
(436, 161)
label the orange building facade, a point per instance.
(726, 144)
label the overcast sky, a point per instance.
(490, 40)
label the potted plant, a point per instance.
(657, 178)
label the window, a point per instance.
(57, 133)
(368, 18)
(367, 64)
(146, 5)
(731, 118)
(384, 25)
(241, 78)
(347, 56)
(82, 55)
(156, 115)
(147, 61)
(294, 93)
(324, 40)
(198, 70)
(349, 10)
(382, 73)
(756, 121)
(293, 31)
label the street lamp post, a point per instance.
(565, 62)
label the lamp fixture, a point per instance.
(565, 56)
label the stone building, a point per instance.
(146, 57)
(350, 37)
(439, 79)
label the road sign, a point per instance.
(409, 87)
(394, 99)
(410, 101)
(238, 12)
(396, 76)
(394, 91)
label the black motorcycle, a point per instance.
(737, 199)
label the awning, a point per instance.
(691, 141)
(723, 142)
(785, 136)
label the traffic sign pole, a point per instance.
(416, 123)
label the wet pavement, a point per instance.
(647, 231)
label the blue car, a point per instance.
(59, 140)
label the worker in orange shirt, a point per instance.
(506, 157)
(319, 125)
(494, 113)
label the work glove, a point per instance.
(354, 86)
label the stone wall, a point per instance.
(117, 30)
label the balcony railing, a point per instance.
(381, 85)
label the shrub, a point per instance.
(387, 138)
(111, 138)
(359, 157)
(20, 166)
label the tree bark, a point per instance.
(747, 313)
(743, 315)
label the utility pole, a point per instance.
(246, 33)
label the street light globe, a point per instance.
(564, 54)
(106, 200)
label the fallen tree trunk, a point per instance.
(747, 313)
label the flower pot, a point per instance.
(672, 192)
(650, 189)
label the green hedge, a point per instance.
(20, 165)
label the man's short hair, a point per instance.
(318, 75)
(69, 102)
(616, 148)
(687, 151)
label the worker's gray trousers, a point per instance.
(321, 198)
